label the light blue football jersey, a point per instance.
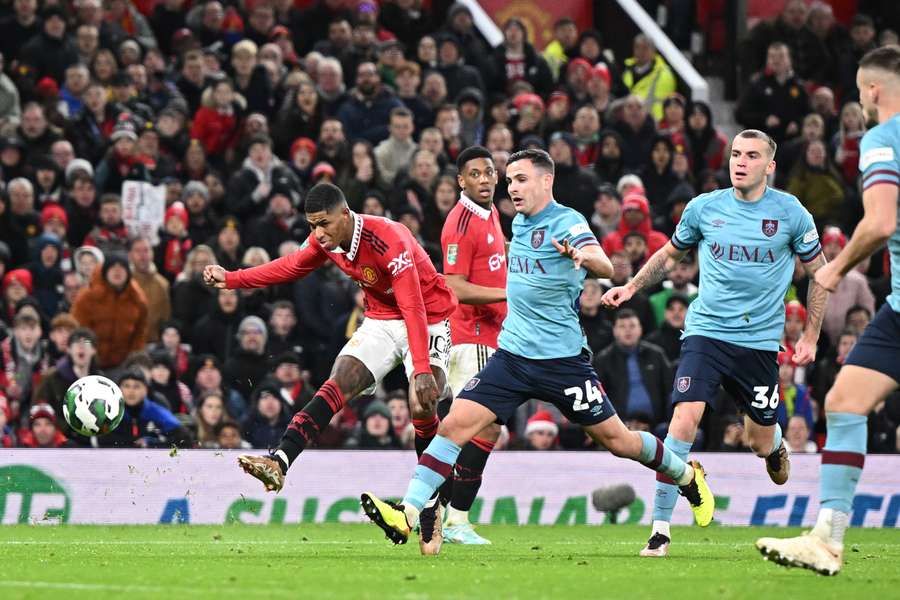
(543, 286)
(879, 162)
(746, 252)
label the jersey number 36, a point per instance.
(763, 399)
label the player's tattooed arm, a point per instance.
(816, 298)
(657, 267)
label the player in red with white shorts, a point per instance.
(475, 267)
(407, 309)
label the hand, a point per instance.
(828, 276)
(804, 352)
(616, 296)
(572, 252)
(214, 276)
(772, 121)
(426, 391)
(262, 190)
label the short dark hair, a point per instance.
(80, 176)
(539, 158)
(564, 21)
(471, 153)
(323, 197)
(857, 308)
(756, 134)
(218, 429)
(625, 313)
(676, 297)
(886, 58)
(401, 111)
(285, 304)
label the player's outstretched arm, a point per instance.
(472, 293)
(816, 301)
(653, 271)
(284, 269)
(877, 225)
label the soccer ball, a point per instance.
(94, 405)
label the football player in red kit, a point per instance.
(475, 266)
(408, 305)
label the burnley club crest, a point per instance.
(537, 238)
(770, 227)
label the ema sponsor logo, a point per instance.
(741, 253)
(525, 265)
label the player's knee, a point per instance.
(684, 425)
(618, 445)
(835, 401)
(760, 447)
(491, 433)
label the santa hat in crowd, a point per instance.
(795, 309)
(542, 420)
(833, 235)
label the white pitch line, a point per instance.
(147, 589)
(224, 542)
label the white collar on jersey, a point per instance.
(354, 241)
(482, 212)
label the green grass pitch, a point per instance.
(355, 561)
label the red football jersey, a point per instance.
(398, 278)
(474, 246)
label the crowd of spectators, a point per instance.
(237, 108)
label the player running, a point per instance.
(747, 236)
(542, 354)
(872, 369)
(407, 307)
(475, 267)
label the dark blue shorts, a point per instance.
(570, 384)
(878, 348)
(750, 376)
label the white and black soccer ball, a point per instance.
(93, 405)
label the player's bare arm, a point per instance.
(472, 293)
(816, 301)
(877, 225)
(592, 258)
(653, 271)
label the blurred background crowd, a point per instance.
(230, 110)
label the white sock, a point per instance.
(831, 526)
(687, 476)
(457, 517)
(662, 527)
(412, 515)
(284, 457)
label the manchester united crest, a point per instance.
(770, 227)
(537, 238)
(369, 274)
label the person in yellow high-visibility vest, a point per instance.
(648, 76)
